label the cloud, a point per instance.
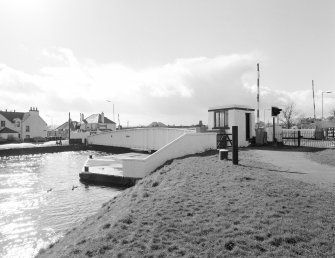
(176, 93)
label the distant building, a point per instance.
(97, 122)
(62, 131)
(26, 124)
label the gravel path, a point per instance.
(308, 167)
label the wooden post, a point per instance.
(235, 145)
(69, 127)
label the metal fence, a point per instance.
(305, 138)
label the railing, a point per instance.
(223, 140)
(186, 144)
(303, 137)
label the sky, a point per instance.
(166, 61)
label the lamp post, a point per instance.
(322, 101)
(113, 110)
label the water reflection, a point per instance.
(41, 197)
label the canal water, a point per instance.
(41, 198)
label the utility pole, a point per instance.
(257, 95)
(313, 99)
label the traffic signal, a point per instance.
(275, 111)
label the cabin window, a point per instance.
(221, 119)
(27, 128)
(3, 123)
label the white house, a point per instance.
(97, 122)
(26, 124)
(222, 118)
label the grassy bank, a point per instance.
(202, 207)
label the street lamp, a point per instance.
(322, 101)
(113, 109)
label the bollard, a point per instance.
(86, 169)
(235, 145)
(223, 154)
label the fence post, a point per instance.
(299, 135)
(235, 145)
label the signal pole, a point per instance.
(257, 95)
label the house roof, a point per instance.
(64, 126)
(7, 130)
(12, 115)
(96, 119)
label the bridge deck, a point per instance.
(111, 165)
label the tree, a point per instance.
(332, 113)
(288, 115)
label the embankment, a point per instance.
(200, 206)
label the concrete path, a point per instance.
(111, 165)
(297, 166)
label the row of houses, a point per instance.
(27, 126)
(93, 124)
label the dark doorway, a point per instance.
(247, 126)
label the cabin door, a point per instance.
(247, 126)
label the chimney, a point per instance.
(102, 117)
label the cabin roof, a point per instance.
(234, 106)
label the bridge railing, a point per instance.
(138, 138)
(186, 144)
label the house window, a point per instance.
(18, 124)
(3, 123)
(27, 128)
(221, 119)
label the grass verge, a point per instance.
(203, 207)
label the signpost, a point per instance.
(235, 145)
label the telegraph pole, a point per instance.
(257, 95)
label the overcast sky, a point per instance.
(166, 60)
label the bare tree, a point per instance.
(332, 113)
(288, 115)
